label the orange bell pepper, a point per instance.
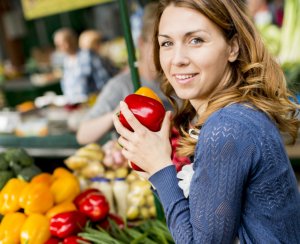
(35, 230)
(43, 177)
(61, 208)
(145, 91)
(61, 172)
(36, 198)
(10, 228)
(10, 194)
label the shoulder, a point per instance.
(120, 83)
(122, 79)
(237, 126)
(115, 90)
(240, 118)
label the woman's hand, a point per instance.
(151, 151)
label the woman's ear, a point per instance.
(234, 49)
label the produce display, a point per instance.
(106, 169)
(290, 33)
(51, 208)
(150, 231)
(95, 197)
(128, 195)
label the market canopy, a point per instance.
(39, 8)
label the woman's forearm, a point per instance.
(92, 130)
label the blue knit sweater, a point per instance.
(243, 187)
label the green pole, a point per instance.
(129, 44)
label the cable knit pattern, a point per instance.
(243, 185)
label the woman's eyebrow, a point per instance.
(189, 33)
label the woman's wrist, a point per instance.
(162, 166)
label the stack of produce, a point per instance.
(289, 55)
(15, 162)
(93, 161)
(30, 205)
(149, 231)
(87, 161)
(140, 199)
(50, 208)
(290, 37)
(128, 195)
(90, 206)
(283, 42)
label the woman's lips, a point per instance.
(184, 78)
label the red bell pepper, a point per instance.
(178, 161)
(94, 205)
(53, 240)
(66, 224)
(149, 112)
(82, 195)
(74, 240)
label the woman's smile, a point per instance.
(185, 78)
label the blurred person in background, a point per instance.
(266, 11)
(83, 74)
(99, 68)
(277, 10)
(98, 120)
(260, 11)
(267, 18)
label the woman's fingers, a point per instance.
(166, 124)
(123, 142)
(130, 118)
(120, 128)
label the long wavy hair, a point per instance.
(256, 77)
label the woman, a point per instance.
(234, 94)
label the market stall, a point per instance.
(92, 197)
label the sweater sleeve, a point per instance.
(223, 158)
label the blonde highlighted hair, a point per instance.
(256, 77)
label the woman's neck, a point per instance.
(199, 106)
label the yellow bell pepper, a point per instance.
(9, 196)
(61, 208)
(65, 187)
(36, 198)
(35, 230)
(10, 228)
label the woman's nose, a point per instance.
(180, 56)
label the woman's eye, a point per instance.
(196, 40)
(166, 44)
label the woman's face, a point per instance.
(194, 54)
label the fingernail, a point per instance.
(122, 104)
